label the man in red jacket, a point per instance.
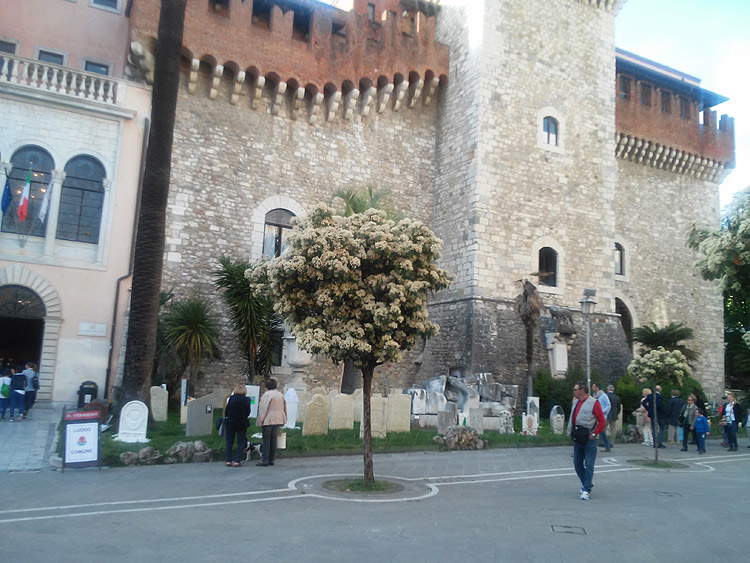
(586, 423)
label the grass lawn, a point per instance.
(336, 442)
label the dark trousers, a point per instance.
(731, 430)
(230, 433)
(701, 439)
(604, 440)
(268, 452)
(657, 431)
(16, 402)
(29, 400)
(685, 431)
(584, 458)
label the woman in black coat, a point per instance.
(235, 424)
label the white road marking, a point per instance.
(523, 477)
(145, 509)
(143, 501)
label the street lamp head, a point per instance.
(588, 303)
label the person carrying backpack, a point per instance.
(17, 393)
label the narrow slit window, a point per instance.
(619, 259)
(645, 94)
(551, 131)
(548, 266)
(666, 102)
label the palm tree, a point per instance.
(191, 333)
(148, 257)
(359, 201)
(668, 337)
(529, 306)
(252, 315)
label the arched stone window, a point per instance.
(275, 232)
(619, 259)
(548, 266)
(32, 165)
(81, 200)
(550, 129)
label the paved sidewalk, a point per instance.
(25, 444)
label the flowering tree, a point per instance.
(355, 288)
(726, 257)
(666, 367)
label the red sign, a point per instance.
(82, 415)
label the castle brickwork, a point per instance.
(520, 144)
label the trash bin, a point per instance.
(87, 392)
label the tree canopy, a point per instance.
(356, 288)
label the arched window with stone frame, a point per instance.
(278, 224)
(548, 266)
(550, 130)
(81, 200)
(32, 165)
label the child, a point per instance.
(701, 430)
(4, 393)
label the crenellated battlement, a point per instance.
(670, 108)
(609, 5)
(289, 98)
(313, 44)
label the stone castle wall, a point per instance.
(474, 168)
(229, 161)
(655, 210)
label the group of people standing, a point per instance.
(271, 416)
(18, 388)
(690, 415)
(590, 414)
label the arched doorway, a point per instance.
(22, 314)
(626, 319)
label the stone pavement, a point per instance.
(25, 444)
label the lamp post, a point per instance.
(588, 304)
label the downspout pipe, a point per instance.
(118, 283)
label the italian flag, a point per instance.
(23, 205)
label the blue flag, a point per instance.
(7, 196)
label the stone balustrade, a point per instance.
(58, 79)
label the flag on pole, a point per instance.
(7, 196)
(45, 203)
(23, 205)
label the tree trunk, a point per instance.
(530, 360)
(367, 371)
(149, 247)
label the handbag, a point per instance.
(220, 424)
(581, 434)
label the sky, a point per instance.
(709, 39)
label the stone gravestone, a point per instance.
(418, 401)
(357, 405)
(435, 402)
(446, 418)
(303, 398)
(159, 401)
(476, 419)
(342, 413)
(316, 416)
(292, 407)
(557, 420)
(133, 422)
(378, 417)
(200, 416)
(531, 416)
(506, 422)
(399, 413)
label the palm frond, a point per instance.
(669, 337)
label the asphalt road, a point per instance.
(497, 505)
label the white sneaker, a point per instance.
(585, 495)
